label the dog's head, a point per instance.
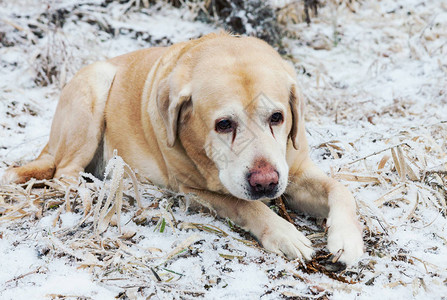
(232, 104)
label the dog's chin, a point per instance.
(256, 196)
(262, 196)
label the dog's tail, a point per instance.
(43, 167)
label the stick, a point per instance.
(375, 153)
(282, 209)
(24, 275)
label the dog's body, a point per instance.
(220, 117)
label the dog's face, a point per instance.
(239, 110)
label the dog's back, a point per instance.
(78, 129)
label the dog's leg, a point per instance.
(311, 191)
(273, 232)
(76, 130)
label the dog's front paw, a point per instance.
(282, 237)
(345, 236)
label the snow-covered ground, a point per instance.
(374, 74)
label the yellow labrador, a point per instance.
(220, 117)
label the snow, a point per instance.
(373, 79)
(49, 276)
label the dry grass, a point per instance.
(409, 171)
(100, 204)
(107, 253)
(99, 243)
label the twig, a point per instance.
(24, 275)
(440, 172)
(60, 296)
(282, 209)
(156, 275)
(375, 153)
(337, 256)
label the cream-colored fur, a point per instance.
(159, 108)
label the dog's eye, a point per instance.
(224, 126)
(276, 118)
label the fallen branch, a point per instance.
(282, 209)
(375, 153)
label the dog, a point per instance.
(220, 117)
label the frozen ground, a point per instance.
(374, 74)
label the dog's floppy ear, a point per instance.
(293, 108)
(296, 107)
(170, 103)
